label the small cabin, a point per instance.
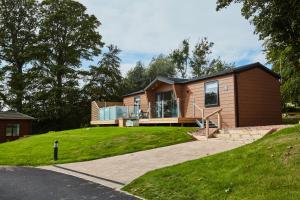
(248, 95)
(14, 125)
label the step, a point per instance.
(246, 131)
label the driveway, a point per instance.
(118, 171)
(18, 183)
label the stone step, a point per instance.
(245, 132)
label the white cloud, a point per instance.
(158, 26)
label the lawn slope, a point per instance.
(89, 143)
(266, 169)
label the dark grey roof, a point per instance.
(169, 80)
(222, 73)
(14, 115)
(133, 93)
(236, 70)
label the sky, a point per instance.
(143, 29)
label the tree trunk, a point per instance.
(59, 93)
(19, 88)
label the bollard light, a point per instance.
(55, 150)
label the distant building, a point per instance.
(14, 125)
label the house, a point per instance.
(243, 96)
(14, 125)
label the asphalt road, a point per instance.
(19, 183)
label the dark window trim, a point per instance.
(218, 96)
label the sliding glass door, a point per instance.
(166, 105)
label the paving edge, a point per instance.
(114, 186)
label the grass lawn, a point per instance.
(89, 143)
(266, 169)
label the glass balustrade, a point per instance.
(158, 109)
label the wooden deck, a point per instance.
(105, 122)
(149, 121)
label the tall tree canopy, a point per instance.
(180, 57)
(105, 82)
(161, 66)
(277, 23)
(18, 41)
(67, 34)
(198, 62)
(136, 78)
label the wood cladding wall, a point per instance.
(195, 91)
(129, 101)
(259, 100)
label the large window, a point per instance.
(13, 130)
(211, 93)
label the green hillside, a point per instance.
(268, 169)
(89, 143)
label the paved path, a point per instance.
(118, 171)
(18, 183)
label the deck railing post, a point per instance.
(104, 115)
(219, 121)
(149, 110)
(127, 114)
(202, 116)
(162, 109)
(194, 107)
(207, 127)
(178, 108)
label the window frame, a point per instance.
(218, 94)
(12, 127)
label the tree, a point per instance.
(217, 65)
(18, 39)
(2, 90)
(180, 57)
(161, 66)
(200, 60)
(105, 83)
(67, 35)
(290, 76)
(277, 23)
(136, 78)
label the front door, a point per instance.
(166, 105)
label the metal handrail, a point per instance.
(201, 109)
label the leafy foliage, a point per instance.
(199, 61)
(136, 78)
(105, 80)
(161, 66)
(277, 23)
(18, 40)
(180, 58)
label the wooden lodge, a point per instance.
(243, 96)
